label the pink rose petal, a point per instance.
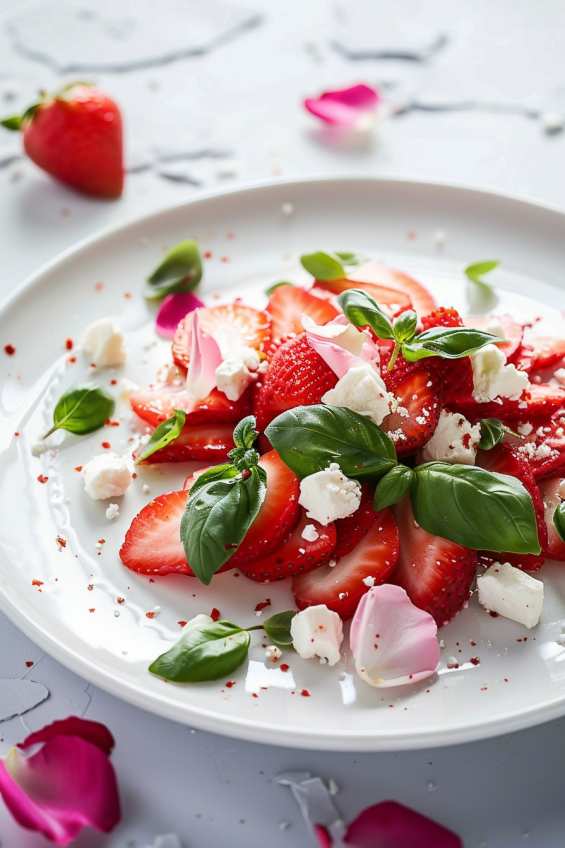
(391, 825)
(393, 642)
(173, 310)
(349, 107)
(205, 357)
(62, 781)
(341, 345)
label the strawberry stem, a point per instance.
(394, 356)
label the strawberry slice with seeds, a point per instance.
(513, 332)
(442, 317)
(296, 376)
(352, 529)
(538, 400)
(342, 586)
(435, 573)
(156, 403)
(297, 555)
(286, 306)
(548, 350)
(204, 443)
(231, 325)
(524, 358)
(551, 498)
(419, 409)
(385, 278)
(506, 459)
(544, 447)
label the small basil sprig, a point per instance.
(480, 295)
(269, 291)
(330, 266)
(447, 342)
(559, 520)
(180, 271)
(308, 438)
(164, 434)
(82, 410)
(492, 433)
(222, 505)
(211, 651)
(393, 487)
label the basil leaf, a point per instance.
(404, 327)
(480, 295)
(204, 653)
(476, 271)
(361, 309)
(180, 271)
(351, 260)
(219, 472)
(216, 518)
(492, 432)
(164, 434)
(447, 342)
(269, 291)
(393, 486)
(82, 410)
(245, 433)
(308, 438)
(559, 520)
(474, 508)
(323, 266)
(277, 628)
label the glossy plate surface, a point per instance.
(72, 611)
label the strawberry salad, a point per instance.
(385, 455)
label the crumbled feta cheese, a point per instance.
(310, 533)
(454, 440)
(127, 388)
(38, 448)
(512, 593)
(317, 632)
(493, 378)
(199, 620)
(329, 494)
(273, 653)
(495, 328)
(112, 512)
(525, 429)
(106, 476)
(104, 343)
(235, 372)
(145, 489)
(362, 390)
(369, 581)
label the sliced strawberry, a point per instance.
(296, 376)
(513, 332)
(152, 544)
(524, 358)
(442, 317)
(419, 396)
(342, 586)
(391, 300)
(296, 556)
(286, 306)
(435, 573)
(231, 325)
(204, 443)
(538, 400)
(544, 447)
(380, 275)
(549, 491)
(156, 403)
(352, 529)
(506, 459)
(548, 350)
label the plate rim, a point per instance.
(239, 727)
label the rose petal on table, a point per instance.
(347, 107)
(392, 825)
(205, 357)
(392, 641)
(173, 310)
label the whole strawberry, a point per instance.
(76, 135)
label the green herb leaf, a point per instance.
(480, 295)
(323, 266)
(476, 271)
(308, 438)
(351, 260)
(82, 410)
(404, 327)
(559, 520)
(217, 516)
(14, 122)
(245, 433)
(474, 508)
(492, 432)
(180, 271)
(448, 342)
(361, 309)
(269, 291)
(204, 653)
(226, 471)
(393, 486)
(164, 434)
(277, 628)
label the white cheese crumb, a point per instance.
(145, 489)
(287, 208)
(127, 388)
(104, 343)
(525, 429)
(273, 653)
(454, 440)
(310, 533)
(362, 390)
(369, 581)
(332, 563)
(106, 476)
(495, 328)
(112, 512)
(236, 372)
(452, 662)
(512, 593)
(329, 494)
(317, 632)
(441, 643)
(38, 448)
(333, 788)
(494, 379)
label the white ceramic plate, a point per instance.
(74, 613)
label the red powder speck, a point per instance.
(127, 295)
(305, 693)
(231, 683)
(101, 541)
(207, 254)
(106, 445)
(121, 600)
(151, 580)
(71, 359)
(98, 287)
(506, 680)
(61, 541)
(215, 614)
(235, 574)
(42, 479)
(16, 433)
(484, 688)
(475, 660)
(37, 582)
(284, 667)
(150, 614)
(109, 423)
(181, 623)
(134, 476)
(224, 259)
(90, 587)
(113, 382)
(230, 236)
(411, 235)
(78, 467)
(92, 610)
(29, 663)
(255, 695)
(472, 643)
(69, 344)
(9, 349)
(493, 614)
(262, 605)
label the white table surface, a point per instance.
(244, 98)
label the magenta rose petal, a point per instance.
(391, 825)
(172, 310)
(348, 107)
